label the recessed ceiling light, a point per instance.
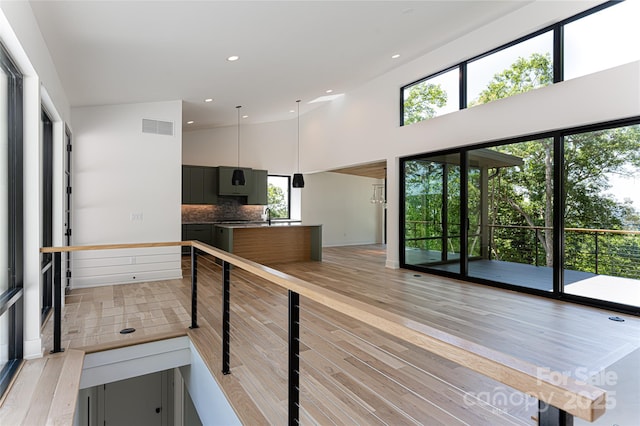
(190, 122)
(209, 100)
(233, 58)
(245, 116)
(326, 98)
(396, 56)
(291, 111)
(328, 91)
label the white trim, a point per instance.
(132, 361)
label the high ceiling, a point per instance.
(115, 52)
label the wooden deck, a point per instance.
(352, 373)
(603, 287)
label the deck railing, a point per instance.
(560, 396)
(600, 251)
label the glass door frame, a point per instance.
(558, 218)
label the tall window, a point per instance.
(46, 126)
(278, 196)
(11, 277)
(4, 212)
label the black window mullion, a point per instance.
(558, 216)
(558, 53)
(463, 85)
(464, 213)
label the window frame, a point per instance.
(425, 79)
(288, 217)
(557, 56)
(12, 300)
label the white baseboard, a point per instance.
(125, 278)
(32, 349)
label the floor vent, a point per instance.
(157, 127)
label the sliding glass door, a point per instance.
(555, 214)
(510, 211)
(432, 205)
(602, 215)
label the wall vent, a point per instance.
(157, 127)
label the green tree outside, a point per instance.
(278, 205)
(422, 102)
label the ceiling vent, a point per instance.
(157, 127)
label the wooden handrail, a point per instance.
(66, 249)
(554, 388)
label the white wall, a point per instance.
(211, 403)
(340, 203)
(127, 189)
(267, 146)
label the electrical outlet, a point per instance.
(136, 217)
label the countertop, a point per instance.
(241, 224)
(263, 225)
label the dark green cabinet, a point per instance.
(203, 185)
(224, 181)
(197, 232)
(258, 194)
(186, 185)
(210, 185)
(199, 185)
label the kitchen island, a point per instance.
(270, 244)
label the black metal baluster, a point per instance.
(225, 318)
(194, 287)
(535, 244)
(597, 248)
(294, 358)
(548, 415)
(57, 308)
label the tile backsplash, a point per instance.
(228, 208)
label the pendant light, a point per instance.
(237, 179)
(298, 180)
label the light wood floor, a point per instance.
(351, 373)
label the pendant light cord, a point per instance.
(298, 101)
(238, 108)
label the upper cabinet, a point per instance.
(199, 185)
(224, 181)
(258, 194)
(203, 185)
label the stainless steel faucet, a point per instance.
(268, 212)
